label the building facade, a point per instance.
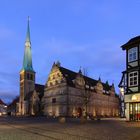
(130, 82)
(72, 94)
(66, 93)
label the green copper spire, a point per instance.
(27, 62)
(28, 31)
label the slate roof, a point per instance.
(40, 88)
(71, 75)
(133, 41)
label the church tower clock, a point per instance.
(27, 74)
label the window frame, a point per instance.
(131, 79)
(133, 54)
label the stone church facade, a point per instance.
(66, 93)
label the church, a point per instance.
(66, 93)
(30, 92)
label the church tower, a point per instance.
(27, 74)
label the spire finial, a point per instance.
(107, 82)
(80, 70)
(99, 79)
(28, 30)
(113, 84)
(27, 61)
(58, 64)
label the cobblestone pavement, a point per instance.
(42, 128)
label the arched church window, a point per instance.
(28, 76)
(31, 77)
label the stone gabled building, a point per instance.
(130, 81)
(68, 93)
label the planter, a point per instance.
(62, 119)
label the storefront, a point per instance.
(132, 107)
(134, 111)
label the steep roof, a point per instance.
(40, 89)
(2, 103)
(27, 61)
(131, 42)
(71, 75)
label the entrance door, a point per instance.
(134, 111)
(79, 112)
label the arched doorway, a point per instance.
(79, 112)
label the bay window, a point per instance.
(133, 78)
(132, 54)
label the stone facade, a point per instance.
(72, 94)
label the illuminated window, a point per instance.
(132, 54)
(133, 78)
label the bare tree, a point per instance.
(86, 93)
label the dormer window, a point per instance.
(132, 54)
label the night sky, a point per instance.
(78, 33)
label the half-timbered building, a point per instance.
(130, 82)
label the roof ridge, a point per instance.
(84, 76)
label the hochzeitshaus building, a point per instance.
(66, 93)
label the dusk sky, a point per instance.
(86, 33)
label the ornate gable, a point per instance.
(99, 87)
(55, 77)
(79, 81)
